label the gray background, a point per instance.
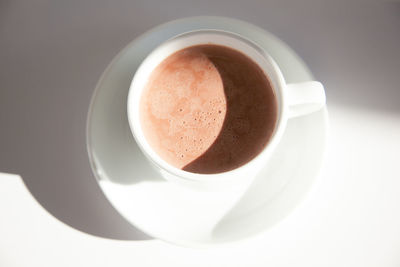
(53, 52)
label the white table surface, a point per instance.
(51, 56)
(351, 217)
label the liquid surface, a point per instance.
(208, 109)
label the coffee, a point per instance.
(208, 109)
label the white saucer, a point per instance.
(179, 215)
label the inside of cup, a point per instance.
(186, 40)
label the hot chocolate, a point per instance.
(208, 109)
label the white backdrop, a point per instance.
(51, 56)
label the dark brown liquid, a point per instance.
(208, 109)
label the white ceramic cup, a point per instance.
(293, 100)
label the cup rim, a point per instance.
(135, 93)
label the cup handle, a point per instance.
(304, 98)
